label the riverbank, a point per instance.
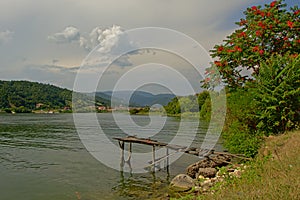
(273, 174)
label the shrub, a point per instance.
(277, 95)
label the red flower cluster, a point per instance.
(237, 48)
(259, 12)
(207, 80)
(242, 34)
(258, 33)
(270, 27)
(256, 48)
(290, 24)
(254, 8)
(273, 4)
(220, 49)
(243, 22)
(296, 12)
(294, 55)
(262, 25)
(261, 52)
(218, 63)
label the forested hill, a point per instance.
(25, 96)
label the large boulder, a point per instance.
(182, 182)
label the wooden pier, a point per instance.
(154, 144)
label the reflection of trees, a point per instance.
(143, 186)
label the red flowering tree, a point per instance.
(264, 32)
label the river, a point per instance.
(42, 157)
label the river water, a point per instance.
(42, 157)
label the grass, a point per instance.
(272, 175)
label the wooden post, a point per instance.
(130, 152)
(167, 159)
(121, 144)
(153, 157)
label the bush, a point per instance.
(239, 139)
(277, 95)
(239, 133)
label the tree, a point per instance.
(263, 32)
(173, 107)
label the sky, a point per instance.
(49, 41)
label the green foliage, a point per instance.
(25, 96)
(269, 104)
(205, 112)
(143, 111)
(173, 107)
(239, 133)
(265, 31)
(202, 98)
(277, 94)
(191, 103)
(260, 64)
(239, 139)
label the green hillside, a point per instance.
(25, 96)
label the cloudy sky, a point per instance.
(48, 40)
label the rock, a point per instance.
(207, 162)
(201, 177)
(215, 179)
(207, 172)
(230, 170)
(197, 188)
(237, 173)
(206, 183)
(182, 182)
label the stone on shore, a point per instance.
(213, 162)
(207, 172)
(182, 182)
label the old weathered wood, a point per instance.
(146, 141)
(177, 148)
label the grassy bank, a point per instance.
(273, 174)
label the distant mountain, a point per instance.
(25, 96)
(137, 98)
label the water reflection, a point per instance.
(152, 185)
(38, 131)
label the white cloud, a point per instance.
(6, 36)
(110, 40)
(107, 38)
(70, 34)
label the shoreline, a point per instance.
(277, 158)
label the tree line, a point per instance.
(26, 96)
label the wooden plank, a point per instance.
(146, 141)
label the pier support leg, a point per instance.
(121, 144)
(130, 152)
(167, 159)
(153, 158)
